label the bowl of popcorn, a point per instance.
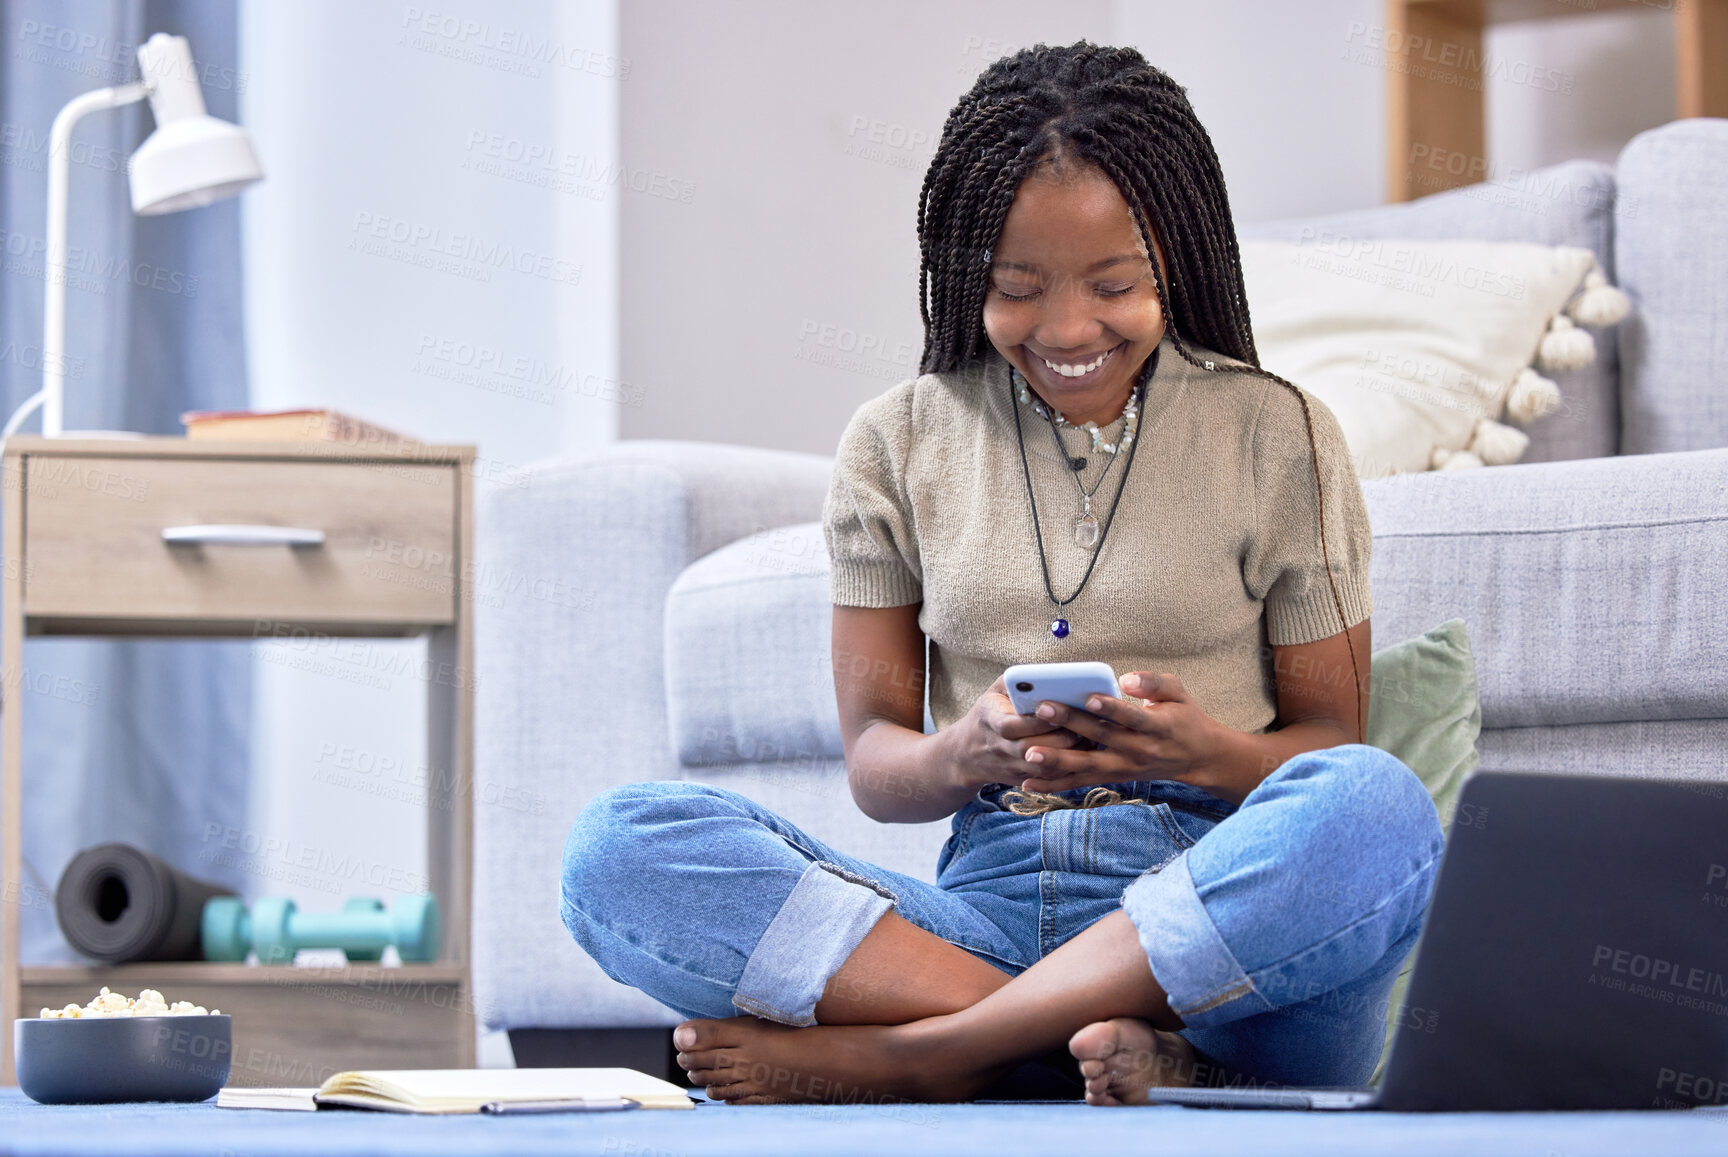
(120, 1048)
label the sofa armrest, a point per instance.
(1671, 250)
(569, 596)
(1590, 588)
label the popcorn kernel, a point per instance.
(148, 1002)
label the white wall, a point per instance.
(445, 135)
(1299, 125)
(783, 292)
(1608, 77)
(791, 274)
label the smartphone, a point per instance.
(1029, 684)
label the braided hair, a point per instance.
(1109, 108)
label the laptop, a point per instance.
(1575, 956)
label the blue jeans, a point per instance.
(1276, 927)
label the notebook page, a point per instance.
(505, 1084)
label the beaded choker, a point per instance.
(1130, 416)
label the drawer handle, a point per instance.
(221, 535)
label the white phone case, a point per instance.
(1029, 684)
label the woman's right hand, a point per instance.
(990, 741)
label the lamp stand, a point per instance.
(54, 261)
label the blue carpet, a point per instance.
(995, 1130)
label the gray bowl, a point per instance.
(91, 1060)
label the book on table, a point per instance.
(311, 425)
(467, 1090)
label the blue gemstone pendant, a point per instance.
(1059, 628)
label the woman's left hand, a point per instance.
(1159, 732)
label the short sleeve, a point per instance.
(867, 521)
(1284, 564)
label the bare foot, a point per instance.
(747, 1061)
(1122, 1058)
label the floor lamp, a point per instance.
(190, 160)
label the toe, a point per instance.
(712, 1059)
(734, 1093)
(701, 1035)
(708, 1077)
(1095, 1042)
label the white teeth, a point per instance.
(1077, 371)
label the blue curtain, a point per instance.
(145, 742)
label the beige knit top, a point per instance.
(1214, 553)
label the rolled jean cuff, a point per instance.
(1200, 976)
(822, 922)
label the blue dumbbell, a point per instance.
(275, 930)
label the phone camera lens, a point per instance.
(1022, 686)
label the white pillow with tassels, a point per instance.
(1426, 350)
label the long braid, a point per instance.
(1107, 107)
(1249, 359)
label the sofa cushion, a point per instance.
(748, 678)
(1415, 346)
(1569, 204)
(1425, 709)
(1590, 588)
(1671, 252)
(1688, 749)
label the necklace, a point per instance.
(1086, 526)
(1059, 627)
(1130, 415)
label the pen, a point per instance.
(572, 1105)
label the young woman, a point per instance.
(1210, 880)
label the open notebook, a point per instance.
(465, 1090)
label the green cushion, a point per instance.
(1424, 708)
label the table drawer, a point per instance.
(94, 546)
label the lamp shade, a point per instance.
(192, 158)
(191, 162)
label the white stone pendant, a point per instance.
(1086, 531)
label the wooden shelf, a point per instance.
(295, 1025)
(84, 554)
(129, 976)
(155, 446)
(1434, 97)
(124, 627)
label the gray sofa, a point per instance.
(672, 620)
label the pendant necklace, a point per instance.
(1059, 627)
(1086, 527)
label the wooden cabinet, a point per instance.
(166, 537)
(137, 540)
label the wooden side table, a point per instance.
(170, 537)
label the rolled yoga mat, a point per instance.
(117, 904)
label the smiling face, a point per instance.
(1071, 302)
